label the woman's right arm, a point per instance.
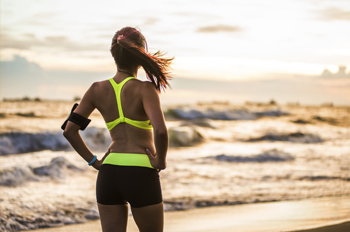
(151, 104)
(71, 132)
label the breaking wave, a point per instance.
(273, 155)
(237, 114)
(19, 175)
(316, 178)
(97, 139)
(297, 137)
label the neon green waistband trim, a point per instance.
(128, 159)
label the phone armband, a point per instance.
(77, 119)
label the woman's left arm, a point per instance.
(71, 132)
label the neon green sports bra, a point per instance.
(140, 124)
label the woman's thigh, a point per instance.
(113, 218)
(149, 218)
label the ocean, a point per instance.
(220, 154)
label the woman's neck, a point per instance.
(130, 73)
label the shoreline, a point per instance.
(95, 226)
(337, 227)
(311, 215)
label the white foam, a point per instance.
(229, 114)
(273, 155)
(97, 139)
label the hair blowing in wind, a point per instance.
(129, 50)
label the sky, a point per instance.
(225, 50)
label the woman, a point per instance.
(131, 109)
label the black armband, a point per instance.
(77, 119)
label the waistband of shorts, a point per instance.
(128, 159)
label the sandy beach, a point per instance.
(93, 226)
(329, 214)
(222, 167)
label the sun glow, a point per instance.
(228, 40)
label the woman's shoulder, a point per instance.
(100, 84)
(138, 85)
(145, 84)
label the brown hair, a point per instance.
(129, 50)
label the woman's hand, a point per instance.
(97, 164)
(155, 162)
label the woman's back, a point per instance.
(125, 137)
(128, 173)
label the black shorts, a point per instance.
(140, 186)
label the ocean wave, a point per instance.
(237, 114)
(55, 169)
(332, 121)
(28, 115)
(201, 122)
(97, 139)
(17, 176)
(301, 121)
(273, 155)
(320, 177)
(22, 142)
(297, 137)
(20, 175)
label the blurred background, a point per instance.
(290, 50)
(259, 109)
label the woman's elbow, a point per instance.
(67, 133)
(162, 131)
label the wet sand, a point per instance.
(312, 215)
(341, 227)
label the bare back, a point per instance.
(135, 95)
(125, 137)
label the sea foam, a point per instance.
(229, 114)
(272, 155)
(97, 139)
(21, 174)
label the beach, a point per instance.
(320, 214)
(255, 97)
(228, 165)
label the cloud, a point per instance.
(46, 18)
(29, 41)
(151, 21)
(19, 78)
(219, 28)
(19, 67)
(333, 13)
(340, 74)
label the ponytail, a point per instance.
(128, 51)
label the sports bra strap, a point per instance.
(117, 89)
(140, 124)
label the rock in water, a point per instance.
(184, 136)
